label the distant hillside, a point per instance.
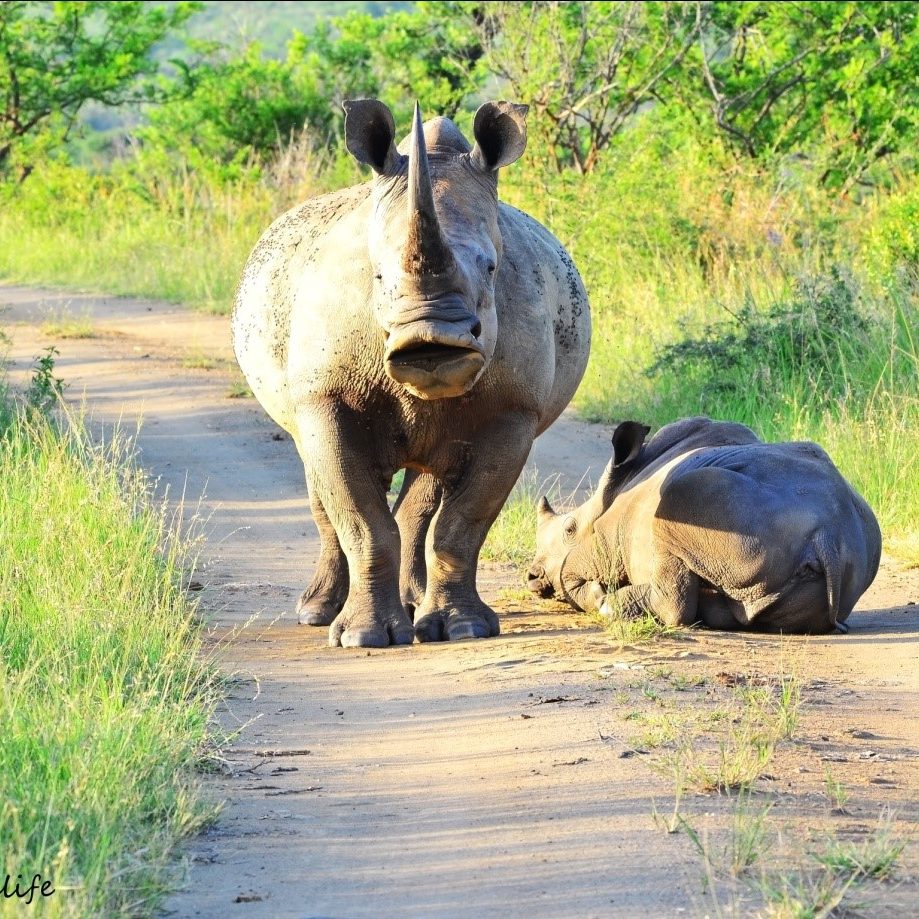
(271, 22)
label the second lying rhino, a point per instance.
(706, 523)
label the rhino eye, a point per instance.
(491, 267)
(571, 527)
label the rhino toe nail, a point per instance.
(364, 638)
(429, 630)
(315, 617)
(402, 637)
(464, 630)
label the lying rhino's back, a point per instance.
(746, 518)
(543, 314)
(289, 262)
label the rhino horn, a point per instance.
(426, 251)
(606, 480)
(543, 508)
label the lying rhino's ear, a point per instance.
(628, 438)
(369, 134)
(500, 131)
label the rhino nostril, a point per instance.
(476, 330)
(536, 572)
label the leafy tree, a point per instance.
(796, 77)
(240, 106)
(54, 57)
(429, 53)
(584, 68)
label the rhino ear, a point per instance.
(628, 439)
(369, 134)
(500, 131)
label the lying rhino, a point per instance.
(411, 322)
(706, 523)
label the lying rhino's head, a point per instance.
(434, 242)
(558, 535)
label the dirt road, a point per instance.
(492, 778)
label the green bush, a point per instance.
(810, 343)
(892, 241)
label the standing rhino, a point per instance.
(411, 322)
(706, 523)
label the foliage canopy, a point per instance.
(55, 57)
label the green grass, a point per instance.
(198, 360)
(512, 537)
(239, 389)
(104, 700)
(876, 856)
(731, 754)
(179, 237)
(147, 254)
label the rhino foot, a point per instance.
(312, 611)
(323, 600)
(354, 628)
(456, 622)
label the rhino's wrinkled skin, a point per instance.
(706, 523)
(411, 322)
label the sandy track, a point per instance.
(487, 778)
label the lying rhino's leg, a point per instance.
(630, 602)
(716, 612)
(413, 510)
(472, 499)
(339, 454)
(672, 596)
(322, 601)
(587, 596)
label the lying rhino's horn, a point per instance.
(426, 251)
(606, 480)
(543, 508)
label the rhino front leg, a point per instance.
(672, 596)
(418, 500)
(472, 499)
(630, 602)
(348, 481)
(323, 600)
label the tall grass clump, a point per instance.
(512, 537)
(104, 699)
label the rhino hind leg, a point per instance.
(344, 474)
(417, 503)
(452, 609)
(323, 600)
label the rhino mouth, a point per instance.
(436, 369)
(430, 356)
